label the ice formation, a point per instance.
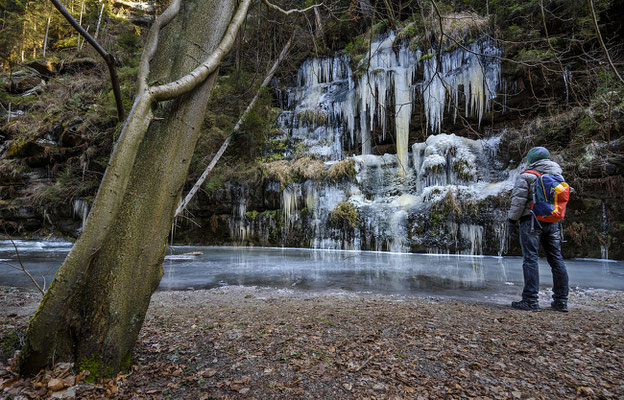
(330, 109)
(394, 211)
(81, 209)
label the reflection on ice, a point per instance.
(369, 271)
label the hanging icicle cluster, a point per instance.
(329, 109)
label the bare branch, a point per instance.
(152, 42)
(555, 51)
(278, 8)
(226, 143)
(108, 58)
(602, 44)
(21, 267)
(190, 81)
(11, 265)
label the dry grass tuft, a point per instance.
(344, 169)
(461, 25)
(451, 205)
(279, 171)
(309, 169)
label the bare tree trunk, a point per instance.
(45, 38)
(239, 45)
(97, 29)
(94, 309)
(226, 143)
(319, 24)
(23, 39)
(80, 23)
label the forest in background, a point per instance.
(59, 121)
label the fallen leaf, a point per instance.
(55, 384)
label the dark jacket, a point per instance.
(524, 188)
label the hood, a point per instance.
(546, 166)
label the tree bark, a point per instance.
(94, 309)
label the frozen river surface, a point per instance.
(320, 270)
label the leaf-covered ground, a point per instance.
(235, 343)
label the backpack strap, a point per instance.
(532, 171)
(534, 219)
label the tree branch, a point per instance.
(281, 10)
(152, 42)
(190, 81)
(550, 46)
(108, 58)
(226, 143)
(21, 267)
(602, 44)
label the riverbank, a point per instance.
(237, 342)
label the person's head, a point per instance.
(536, 154)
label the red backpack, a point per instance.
(551, 197)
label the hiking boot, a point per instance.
(559, 306)
(526, 306)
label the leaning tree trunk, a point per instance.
(94, 309)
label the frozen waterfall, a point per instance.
(331, 110)
(432, 196)
(406, 212)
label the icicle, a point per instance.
(477, 71)
(81, 209)
(604, 247)
(290, 197)
(474, 235)
(403, 107)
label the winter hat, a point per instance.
(537, 153)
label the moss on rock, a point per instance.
(345, 214)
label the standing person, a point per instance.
(533, 232)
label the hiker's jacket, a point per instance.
(524, 188)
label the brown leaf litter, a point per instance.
(252, 343)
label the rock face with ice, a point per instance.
(333, 111)
(438, 199)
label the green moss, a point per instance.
(380, 27)
(587, 126)
(462, 169)
(212, 185)
(408, 32)
(436, 217)
(533, 55)
(345, 214)
(98, 368)
(9, 344)
(252, 214)
(274, 214)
